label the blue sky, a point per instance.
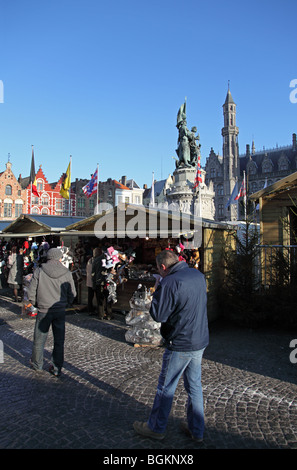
(103, 81)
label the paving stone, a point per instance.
(249, 387)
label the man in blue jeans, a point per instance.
(180, 304)
(51, 290)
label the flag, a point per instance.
(92, 186)
(198, 177)
(33, 176)
(64, 191)
(265, 186)
(242, 191)
(231, 199)
(152, 200)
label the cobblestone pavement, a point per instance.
(249, 384)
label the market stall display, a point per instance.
(144, 330)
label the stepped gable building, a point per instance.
(12, 195)
(50, 201)
(261, 167)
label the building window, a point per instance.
(8, 190)
(39, 185)
(92, 203)
(35, 200)
(212, 172)
(220, 190)
(18, 209)
(44, 201)
(59, 204)
(81, 203)
(44, 211)
(220, 210)
(7, 209)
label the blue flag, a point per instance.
(231, 199)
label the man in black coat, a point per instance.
(180, 304)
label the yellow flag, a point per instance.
(64, 191)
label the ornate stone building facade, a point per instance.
(261, 167)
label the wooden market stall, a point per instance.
(148, 231)
(278, 225)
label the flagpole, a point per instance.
(70, 189)
(97, 196)
(245, 200)
(153, 191)
(31, 183)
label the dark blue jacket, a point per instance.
(180, 304)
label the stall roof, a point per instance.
(32, 224)
(280, 186)
(4, 224)
(120, 221)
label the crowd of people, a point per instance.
(17, 259)
(105, 268)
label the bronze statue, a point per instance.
(187, 150)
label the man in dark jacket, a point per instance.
(51, 290)
(180, 304)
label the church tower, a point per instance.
(230, 153)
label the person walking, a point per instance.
(15, 264)
(180, 304)
(89, 283)
(99, 281)
(51, 290)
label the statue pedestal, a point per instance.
(181, 192)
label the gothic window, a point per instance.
(283, 163)
(212, 172)
(35, 200)
(267, 165)
(220, 210)
(253, 187)
(44, 211)
(8, 190)
(220, 190)
(252, 168)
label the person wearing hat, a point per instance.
(51, 290)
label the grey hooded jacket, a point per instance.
(51, 287)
